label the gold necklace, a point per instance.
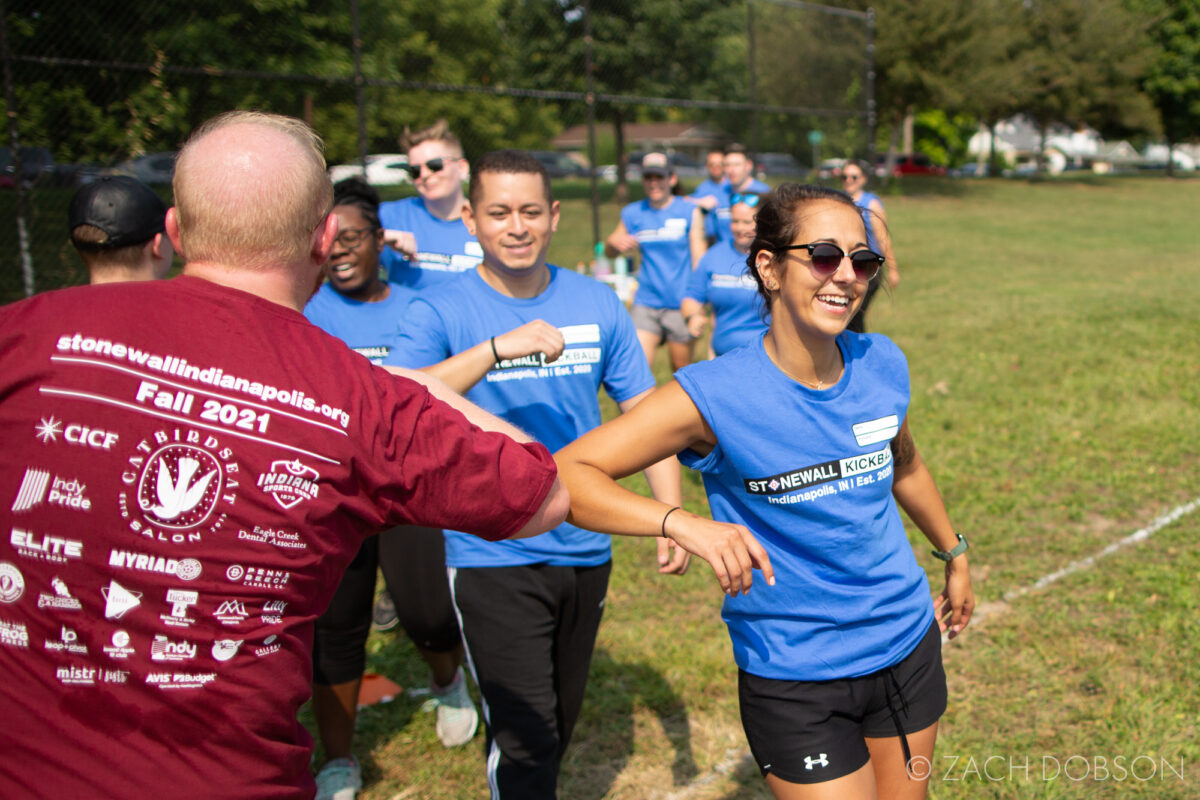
(818, 386)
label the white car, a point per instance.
(388, 169)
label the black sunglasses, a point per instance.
(826, 258)
(433, 165)
(749, 199)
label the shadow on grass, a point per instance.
(616, 689)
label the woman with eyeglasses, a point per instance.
(805, 449)
(721, 281)
(428, 242)
(854, 181)
(362, 309)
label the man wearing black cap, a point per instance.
(117, 225)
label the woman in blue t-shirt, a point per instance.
(805, 449)
(722, 280)
(854, 181)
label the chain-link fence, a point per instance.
(110, 86)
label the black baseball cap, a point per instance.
(127, 210)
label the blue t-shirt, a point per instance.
(662, 235)
(444, 248)
(723, 281)
(810, 474)
(709, 188)
(368, 328)
(724, 204)
(555, 403)
(864, 203)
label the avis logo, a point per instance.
(289, 482)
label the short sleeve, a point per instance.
(626, 373)
(697, 287)
(432, 467)
(421, 338)
(710, 463)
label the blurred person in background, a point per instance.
(739, 177)
(428, 241)
(854, 182)
(707, 194)
(116, 224)
(668, 232)
(723, 281)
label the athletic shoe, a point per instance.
(384, 618)
(457, 718)
(339, 779)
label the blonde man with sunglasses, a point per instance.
(429, 242)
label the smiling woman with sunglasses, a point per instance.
(804, 446)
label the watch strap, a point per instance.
(957, 550)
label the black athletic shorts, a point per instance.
(813, 731)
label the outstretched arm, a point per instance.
(880, 227)
(917, 494)
(697, 240)
(659, 426)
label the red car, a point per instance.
(912, 164)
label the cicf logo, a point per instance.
(48, 430)
(12, 583)
(289, 482)
(820, 761)
(176, 483)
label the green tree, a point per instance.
(1173, 78)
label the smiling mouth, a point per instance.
(837, 302)
(342, 270)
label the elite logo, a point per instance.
(175, 484)
(180, 602)
(820, 761)
(61, 599)
(118, 600)
(12, 583)
(54, 549)
(231, 612)
(289, 483)
(225, 649)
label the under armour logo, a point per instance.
(810, 762)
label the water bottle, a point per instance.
(601, 266)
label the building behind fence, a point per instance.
(110, 85)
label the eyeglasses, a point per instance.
(826, 258)
(749, 199)
(352, 237)
(433, 165)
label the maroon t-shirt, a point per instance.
(189, 469)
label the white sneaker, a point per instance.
(457, 718)
(339, 779)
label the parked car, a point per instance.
(35, 161)
(778, 165)
(151, 168)
(908, 164)
(971, 169)
(830, 168)
(385, 169)
(559, 165)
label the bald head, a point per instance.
(250, 188)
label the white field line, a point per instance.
(735, 757)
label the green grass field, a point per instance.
(1053, 337)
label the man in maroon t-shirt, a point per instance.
(191, 465)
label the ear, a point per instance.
(468, 218)
(323, 237)
(767, 269)
(172, 226)
(554, 215)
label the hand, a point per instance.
(731, 550)
(952, 608)
(538, 336)
(696, 323)
(622, 242)
(893, 276)
(672, 559)
(402, 242)
(708, 203)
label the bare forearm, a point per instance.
(918, 495)
(474, 414)
(463, 370)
